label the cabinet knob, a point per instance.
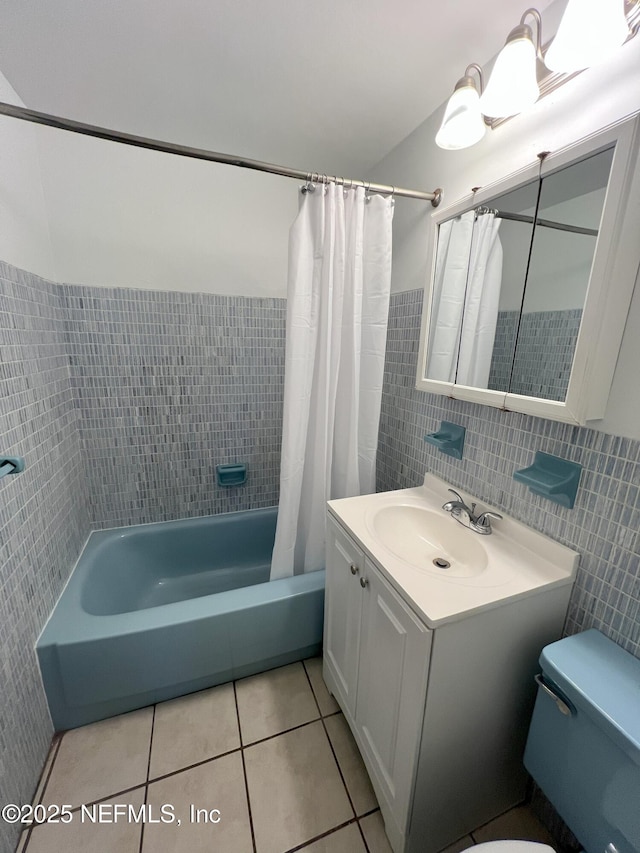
(354, 569)
(364, 582)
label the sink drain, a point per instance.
(442, 563)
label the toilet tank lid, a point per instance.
(603, 680)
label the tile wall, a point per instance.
(604, 526)
(168, 385)
(43, 517)
(504, 345)
(544, 353)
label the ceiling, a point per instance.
(329, 85)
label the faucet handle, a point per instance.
(453, 492)
(483, 519)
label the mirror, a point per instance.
(511, 281)
(564, 242)
(513, 269)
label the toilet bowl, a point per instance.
(512, 846)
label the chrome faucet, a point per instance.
(480, 523)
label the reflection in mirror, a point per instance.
(515, 211)
(564, 242)
(481, 265)
(465, 297)
(448, 295)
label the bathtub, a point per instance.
(159, 610)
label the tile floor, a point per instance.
(271, 754)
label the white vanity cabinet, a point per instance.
(376, 654)
(439, 712)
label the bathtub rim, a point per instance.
(68, 622)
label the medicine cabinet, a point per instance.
(530, 281)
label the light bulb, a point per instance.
(462, 125)
(513, 86)
(589, 33)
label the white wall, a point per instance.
(24, 233)
(127, 217)
(561, 261)
(86, 211)
(594, 99)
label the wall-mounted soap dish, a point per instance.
(233, 474)
(551, 477)
(449, 439)
(11, 465)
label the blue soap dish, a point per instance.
(11, 465)
(449, 439)
(233, 474)
(551, 477)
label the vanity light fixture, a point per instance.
(513, 85)
(463, 124)
(589, 33)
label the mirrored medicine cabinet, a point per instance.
(530, 281)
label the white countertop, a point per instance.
(520, 561)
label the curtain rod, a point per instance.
(546, 223)
(201, 153)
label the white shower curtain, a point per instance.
(450, 283)
(467, 282)
(481, 303)
(337, 310)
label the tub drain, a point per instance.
(442, 563)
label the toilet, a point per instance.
(583, 747)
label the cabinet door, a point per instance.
(392, 683)
(343, 609)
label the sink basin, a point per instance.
(429, 541)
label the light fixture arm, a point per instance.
(468, 80)
(538, 19)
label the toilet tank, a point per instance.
(587, 761)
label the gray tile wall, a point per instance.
(543, 356)
(168, 385)
(503, 349)
(544, 353)
(604, 525)
(43, 518)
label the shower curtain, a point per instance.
(337, 310)
(467, 282)
(481, 303)
(449, 287)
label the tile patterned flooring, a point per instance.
(272, 753)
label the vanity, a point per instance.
(431, 638)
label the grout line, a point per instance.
(284, 732)
(313, 692)
(244, 771)
(146, 787)
(192, 766)
(54, 749)
(315, 838)
(153, 723)
(333, 752)
(104, 798)
(369, 813)
(339, 769)
(331, 713)
(363, 837)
